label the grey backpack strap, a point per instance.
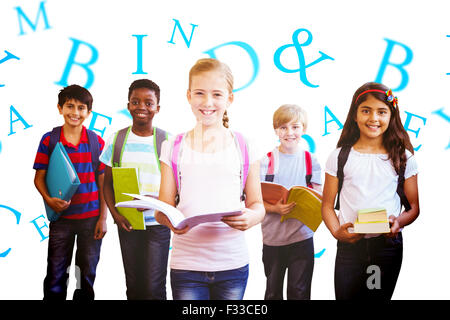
(117, 149)
(160, 136)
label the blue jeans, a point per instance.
(144, 255)
(368, 269)
(199, 285)
(298, 259)
(63, 233)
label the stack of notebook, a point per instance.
(372, 221)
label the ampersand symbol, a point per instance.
(301, 58)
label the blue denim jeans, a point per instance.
(298, 259)
(145, 255)
(199, 285)
(63, 233)
(368, 269)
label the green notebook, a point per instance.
(125, 181)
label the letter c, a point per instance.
(17, 215)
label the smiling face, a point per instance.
(74, 112)
(209, 97)
(143, 105)
(372, 118)
(290, 135)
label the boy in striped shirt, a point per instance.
(83, 217)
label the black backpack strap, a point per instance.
(55, 135)
(342, 159)
(94, 148)
(400, 188)
(117, 147)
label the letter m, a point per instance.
(22, 16)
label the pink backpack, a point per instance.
(241, 145)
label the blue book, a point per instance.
(61, 178)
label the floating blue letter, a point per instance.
(177, 25)
(301, 58)
(441, 113)
(408, 121)
(385, 62)
(71, 61)
(39, 228)
(17, 214)
(333, 118)
(250, 52)
(21, 15)
(139, 38)
(94, 119)
(19, 118)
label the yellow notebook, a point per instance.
(125, 181)
(308, 202)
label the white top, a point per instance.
(210, 182)
(370, 181)
(139, 152)
(290, 172)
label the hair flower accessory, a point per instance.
(390, 98)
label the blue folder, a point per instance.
(61, 178)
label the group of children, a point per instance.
(213, 169)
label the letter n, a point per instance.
(177, 25)
(22, 16)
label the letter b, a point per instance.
(400, 66)
(85, 65)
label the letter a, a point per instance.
(374, 281)
(334, 119)
(19, 118)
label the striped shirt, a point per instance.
(85, 202)
(138, 152)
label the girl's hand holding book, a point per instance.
(343, 235)
(242, 222)
(394, 225)
(162, 219)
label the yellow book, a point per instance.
(372, 220)
(125, 181)
(308, 202)
(371, 215)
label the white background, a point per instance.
(352, 32)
